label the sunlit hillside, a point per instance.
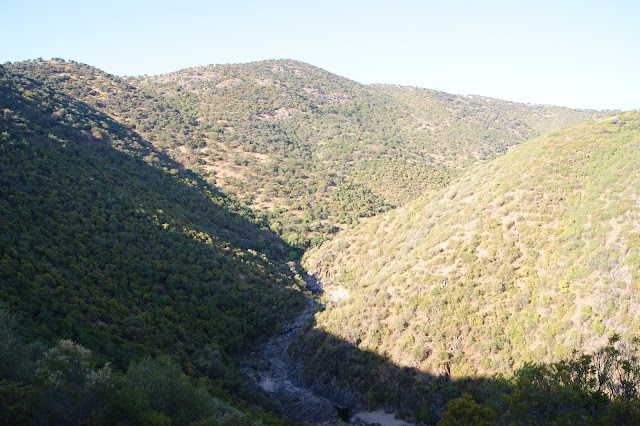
(151, 227)
(527, 258)
(310, 151)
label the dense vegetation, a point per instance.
(309, 151)
(598, 389)
(110, 244)
(525, 259)
(148, 227)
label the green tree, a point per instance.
(13, 351)
(465, 411)
(174, 394)
(70, 384)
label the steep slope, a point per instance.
(310, 151)
(408, 140)
(107, 242)
(525, 258)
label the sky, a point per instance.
(581, 54)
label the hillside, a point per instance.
(309, 151)
(149, 229)
(107, 242)
(527, 258)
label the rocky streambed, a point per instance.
(272, 370)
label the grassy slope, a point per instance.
(358, 130)
(525, 258)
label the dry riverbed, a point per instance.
(273, 371)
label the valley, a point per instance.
(273, 371)
(287, 245)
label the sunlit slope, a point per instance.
(528, 257)
(310, 151)
(395, 141)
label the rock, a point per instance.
(276, 373)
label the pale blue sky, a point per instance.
(583, 54)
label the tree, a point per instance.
(171, 392)
(12, 350)
(71, 386)
(465, 411)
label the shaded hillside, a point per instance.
(526, 258)
(107, 242)
(309, 150)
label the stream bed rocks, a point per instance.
(274, 372)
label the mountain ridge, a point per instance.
(310, 151)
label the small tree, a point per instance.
(174, 394)
(71, 386)
(465, 411)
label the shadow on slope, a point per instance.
(106, 241)
(599, 388)
(358, 379)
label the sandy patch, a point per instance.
(267, 384)
(379, 417)
(337, 293)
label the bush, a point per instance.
(173, 393)
(465, 411)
